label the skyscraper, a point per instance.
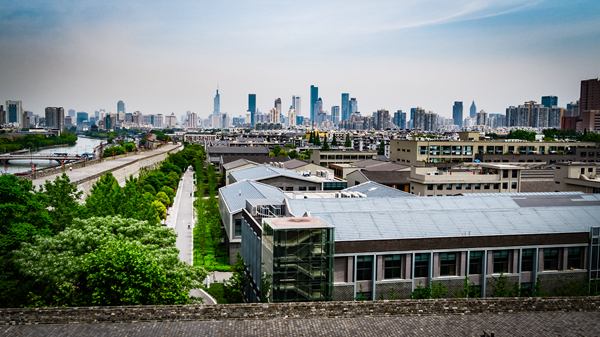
(472, 110)
(400, 119)
(292, 117)
(278, 104)
(457, 113)
(296, 105)
(252, 108)
(55, 117)
(120, 107)
(14, 112)
(217, 104)
(2, 115)
(383, 119)
(549, 101)
(314, 95)
(335, 115)
(71, 112)
(589, 104)
(353, 106)
(345, 107)
(82, 117)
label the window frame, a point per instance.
(527, 259)
(551, 259)
(500, 261)
(421, 265)
(392, 266)
(476, 262)
(364, 268)
(447, 264)
(237, 222)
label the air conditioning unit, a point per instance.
(253, 210)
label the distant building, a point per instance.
(383, 119)
(14, 112)
(2, 115)
(549, 101)
(589, 104)
(217, 104)
(192, 121)
(335, 115)
(72, 113)
(55, 118)
(120, 107)
(278, 104)
(482, 118)
(400, 119)
(252, 108)
(82, 117)
(473, 110)
(353, 106)
(171, 120)
(296, 105)
(457, 113)
(345, 107)
(292, 117)
(314, 95)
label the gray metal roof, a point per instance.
(236, 149)
(374, 190)
(264, 171)
(409, 218)
(235, 195)
(477, 195)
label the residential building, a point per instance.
(171, 121)
(577, 176)
(589, 105)
(55, 118)
(192, 121)
(274, 116)
(2, 115)
(482, 118)
(314, 95)
(457, 113)
(292, 117)
(383, 119)
(400, 119)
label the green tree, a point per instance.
(381, 150)
(163, 198)
(169, 192)
(276, 150)
(60, 198)
(325, 146)
(293, 154)
(317, 138)
(161, 209)
(348, 142)
(103, 199)
(234, 286)
(521, 134)
(334, 141)
(216, 232)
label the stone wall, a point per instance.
(472, 306)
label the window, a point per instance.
(446, 150)
(434, 150)
(467, 150)
(459, 186)
(486, 186)
(467, 186)
(302, 188)
(430, 187)
(513, 186)
(421, 265)
(422, 149)
(505, 173)
(289, 188)
(364, 268)
(511, 149)
(449, 187)
(312, 188)
(393, 264)
(551, 259)
(238, 227)
(475, 262)
(504, 186)
(440, 187)
(542, 149)
(447, 264)
(527, 260)
(501, 261)
(496, 186)
(590, 169)
(515, 173)
(574, 258)
(477, 186)
(582, 153)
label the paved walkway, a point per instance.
(84, 172)
(522, 324)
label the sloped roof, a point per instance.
(265, 171)
(387, 177)
(218, 150)
(259, 159)
(237, 163)
(374, 190)
(235, 195)
(411, 218)
(294, 163)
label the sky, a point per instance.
(170, 56)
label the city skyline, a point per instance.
(393, 56)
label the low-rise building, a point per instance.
(576, 177)
(324, 158)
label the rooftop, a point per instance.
(265, 171)
(216, 150)
(290, 223)
(235, 195)
(435, 217)
(374, 190)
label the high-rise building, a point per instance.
(192, 120)
(335, 115)
(82, 117)
(418, 120)
(473, 110)
(589, 104)
(383, 119)
(55, 117)
(482, 118)
(158, 121)
(457, 113)
(292, 117)
(274, 116)
(400, 119)
(345, 107)
(296, 105)
(170, 120)
(318, 107)
(252, 108)
(314, 95)
(353, 106)
(120, 107)
(549, 101)
(217, 104)
(71, 112)
(14, 112)
(2, 115)
(278, 104)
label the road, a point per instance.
(182, 215)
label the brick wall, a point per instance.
(296, 310)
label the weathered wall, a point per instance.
(296, 310)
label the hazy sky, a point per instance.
(163, 57)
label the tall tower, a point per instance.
(473, 110)
(217, 103)
(296, 105)
(457, 113)
(278, 104)
(314, 95)
(14, 112)
(55, 118)
(589, 104)
(353, 106)
(549, 101)
(252, 108)
(345, 107)
(120, 107)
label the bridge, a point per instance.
(61, 158)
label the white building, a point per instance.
(292, 117)
(274, 116)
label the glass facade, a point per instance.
(300, 261)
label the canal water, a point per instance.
(83, 145)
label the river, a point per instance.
(83, 144)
